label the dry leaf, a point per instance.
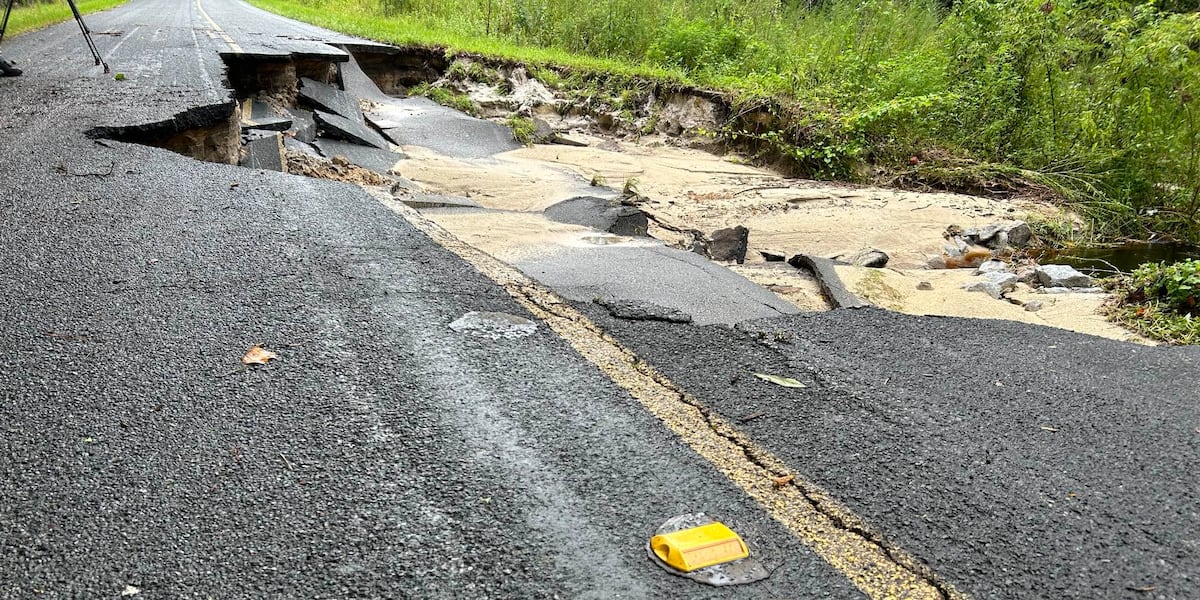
(130, 591)
(1044, 428)
(782, 481)
(258, 355)
(787, 382)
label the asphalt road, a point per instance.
(387, 455)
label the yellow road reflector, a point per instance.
(699, 547)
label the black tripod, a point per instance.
(87, 33)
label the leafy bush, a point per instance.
(523, 129)
(696, 44)
(445, 97)
(1162, 301)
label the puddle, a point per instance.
(1103, 260)
(494, 325)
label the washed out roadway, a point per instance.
(384, 455)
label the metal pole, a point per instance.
(87, 35)
(4, 26)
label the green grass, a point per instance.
(1097, 101)
(34, 16)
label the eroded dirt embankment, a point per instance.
(338, 119)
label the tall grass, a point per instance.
(1096, 99)
(28, 16)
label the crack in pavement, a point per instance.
(877, 567)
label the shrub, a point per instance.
(1162, 301)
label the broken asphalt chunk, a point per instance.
(330, 99)
(494, 325)
(342, 128)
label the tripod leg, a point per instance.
(87, 35)
(4, 26)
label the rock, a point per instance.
(1068, 290)
(264, 150)
(1028, 276)
(994, 284)
(936, 262)
(955, 246)
(999, 235)
(330, 99)
(1062, 276)
(869, 257)
(992, 266)
(351, 131)
(729, 244)
(986, 287)
(773, 255)
(543, 132)
(924, 286)
(1033, 305)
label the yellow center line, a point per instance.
(877, 567)
(220, 32)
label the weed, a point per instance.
(1161, 301)
(523, 129)
(445, 97)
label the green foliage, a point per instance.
(1096, 100)
(31, 15)
(1162, 301)
(445, 97)
(697, 44)
(523, 129)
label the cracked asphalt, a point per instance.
(385, 455)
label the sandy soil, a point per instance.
(692, 189)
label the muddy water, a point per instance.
(1124, 258)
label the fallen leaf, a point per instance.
(258, 355)
(787, 382)
(130, 591)
(1045, 428)
(782, 481)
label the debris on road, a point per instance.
(257, 355)
(787, 382)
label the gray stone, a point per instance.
(1069, 290)
(992, 266)
(1033, 305)
(543, 132)
(729, 244)
(372, 159)
(999, 235)
(264, 150)
(1062, 276)
(955, 247)
(1007, 281)
(643, 311)
(869, 257)
(345, 129)
(986, 287)
(330, 99)
(924, 286)
(1028, 276)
